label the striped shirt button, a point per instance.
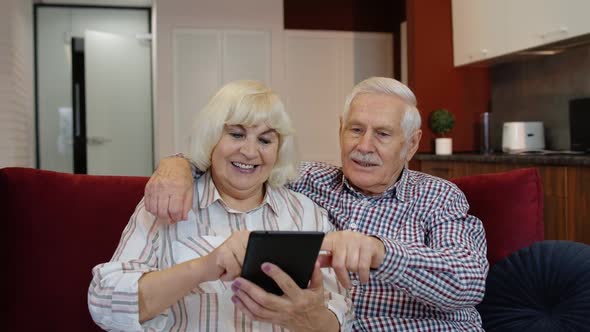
(353, 226)
(355, 282)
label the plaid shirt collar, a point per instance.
(211, 195)
(399, 190)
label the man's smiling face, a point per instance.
(373, 147)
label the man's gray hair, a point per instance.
(411, 120)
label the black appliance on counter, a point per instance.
(580, 124)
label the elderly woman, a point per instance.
(177, 277)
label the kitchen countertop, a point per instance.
(539, 159)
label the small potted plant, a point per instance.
(441, 123)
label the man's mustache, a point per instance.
(367, 158)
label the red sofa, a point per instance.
(58, 226)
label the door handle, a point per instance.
(97, 140)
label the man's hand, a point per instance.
(297, 309)
(169, 192)
(354, 252)
(226, 261)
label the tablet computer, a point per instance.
(294, 252)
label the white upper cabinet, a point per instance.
(484, 29)
(532, 23)
(477, 32)
(576, 18)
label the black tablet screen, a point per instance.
(294, 252)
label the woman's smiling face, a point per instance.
(243, 159)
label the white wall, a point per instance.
(130, 3)
(171, 15)
(16, 64)
(321, 69)
(17, 143)
(17, 134)
(312, 71)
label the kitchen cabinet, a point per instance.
(578, 203)
(484, 29)
(566, 199)
(532, 23)
(476, 33)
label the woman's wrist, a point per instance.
(204, 269)
(325, 320)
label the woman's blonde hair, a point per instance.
(247, 103)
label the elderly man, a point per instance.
(413, 258)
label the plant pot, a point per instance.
(443, 146)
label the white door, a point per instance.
(205, 60)
(118, 104)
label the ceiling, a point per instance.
(118, 3)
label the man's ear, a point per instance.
(413, 143)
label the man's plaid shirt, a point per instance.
(435, 267)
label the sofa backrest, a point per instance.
(56, 228)
(510, 205)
